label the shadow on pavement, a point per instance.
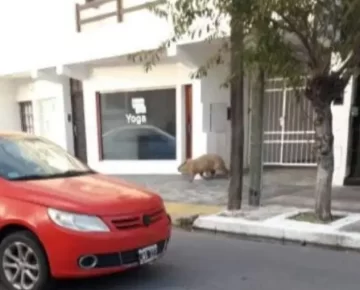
(148, 277)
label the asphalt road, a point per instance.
(207, 262)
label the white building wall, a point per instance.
(49, 34)
(10, 114)
(51, 106)
(216, 124)
(219, 138)
(39, 30)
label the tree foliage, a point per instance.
(286, 37)
(313, 40)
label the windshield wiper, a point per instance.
(29, 177)
(68, 173)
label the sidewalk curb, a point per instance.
(183, 215)
(285, 230)
(184, 222)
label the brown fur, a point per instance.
(207, 163)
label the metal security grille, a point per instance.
(289, 133)
(26, 117)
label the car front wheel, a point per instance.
(23, 263)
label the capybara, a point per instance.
(207, 163)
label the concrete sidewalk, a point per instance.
(274, 222)
(287, 187)
(176, 188)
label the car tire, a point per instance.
(13, 261)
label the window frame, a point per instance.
(99, 104)
(26, 111)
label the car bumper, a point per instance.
(114, 252)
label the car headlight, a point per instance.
(77, 222)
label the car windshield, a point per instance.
(27, 158)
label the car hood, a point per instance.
(91, 194)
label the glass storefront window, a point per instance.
(139, 125)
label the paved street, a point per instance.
(207, 262)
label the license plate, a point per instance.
(148, 254)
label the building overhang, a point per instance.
(48, 74)
(79, 72)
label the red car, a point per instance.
(60, 219)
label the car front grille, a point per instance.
(136, 221)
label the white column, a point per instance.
(90, 114)
(35, 104)
(180, 118)
(341, 115)
(199, 121)
(67, 111)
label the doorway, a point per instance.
(354, 134)
(188, 121)
(78, 119)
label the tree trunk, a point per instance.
(237, 145)
(324, 144)
(257, 132)
(321, 91)
(237, 118)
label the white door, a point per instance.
(48, 124)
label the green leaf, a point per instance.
(289, 38)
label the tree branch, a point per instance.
(292, 29)
(345, 63)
